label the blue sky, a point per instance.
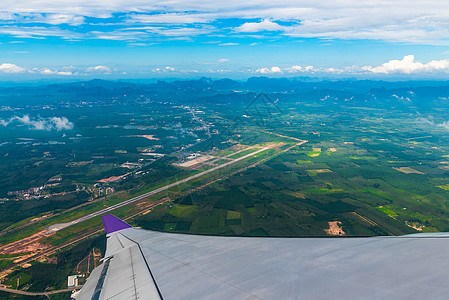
(114, 39)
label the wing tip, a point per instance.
(113, 224)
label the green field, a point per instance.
(378, 169)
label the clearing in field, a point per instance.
(364, 157)
(313, 154)
(415, 225)
(444, 187)
(233, 215)
(145, 136)
(388, 211)
(183, 210)
(315, 172)
(335, 229)
(408, 170)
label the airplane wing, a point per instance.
(142, 264)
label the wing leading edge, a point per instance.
(209, 267)
(124, 273)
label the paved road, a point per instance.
(3, 289)
(57, 227)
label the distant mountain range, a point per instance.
(406, 93)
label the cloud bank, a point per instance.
(53, 123)
(410, 21)
(99, 69)
(265, 25)
(407, 65)
(10, 68)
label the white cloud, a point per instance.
(265, 25)
(408, 65)
(154, 33)
(229, 44)
(4, 122)
(444, 125)
(53, 123)
(430, 122)
(222, 60)
(61, 123)
(296, 68)
(99, 69)
(292, 69)
(35, 32)
(332, 70)
(167, 30)
(11, 68)
(56, 19)
(271, 70)
(164, 69)
(41, 17)
(167, 18)
(411, 21)
(415, 21)
(47, 71)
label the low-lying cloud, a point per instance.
(10, 68)
(39, 123)
(265, 25)
(99, 69)
(408, 65)
(430, 122)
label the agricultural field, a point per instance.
(290, 164)
(375, 171)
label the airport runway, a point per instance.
(59, 226)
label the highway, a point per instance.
(57, 227)
(4, 289)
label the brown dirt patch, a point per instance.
(334, 228)
(408, 170)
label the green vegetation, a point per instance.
(387, 211)
(444, 187)
(10, 296)
(301, 162)
(298, 192)
(46, 276)
(242, 153)
(377, 169)
(233, 215)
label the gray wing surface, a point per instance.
(124, 273)
(180, 266)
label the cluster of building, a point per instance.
(35, 192)
(73, 280)
(31, 192)
(96, 190)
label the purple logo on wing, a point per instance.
(113, 224)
